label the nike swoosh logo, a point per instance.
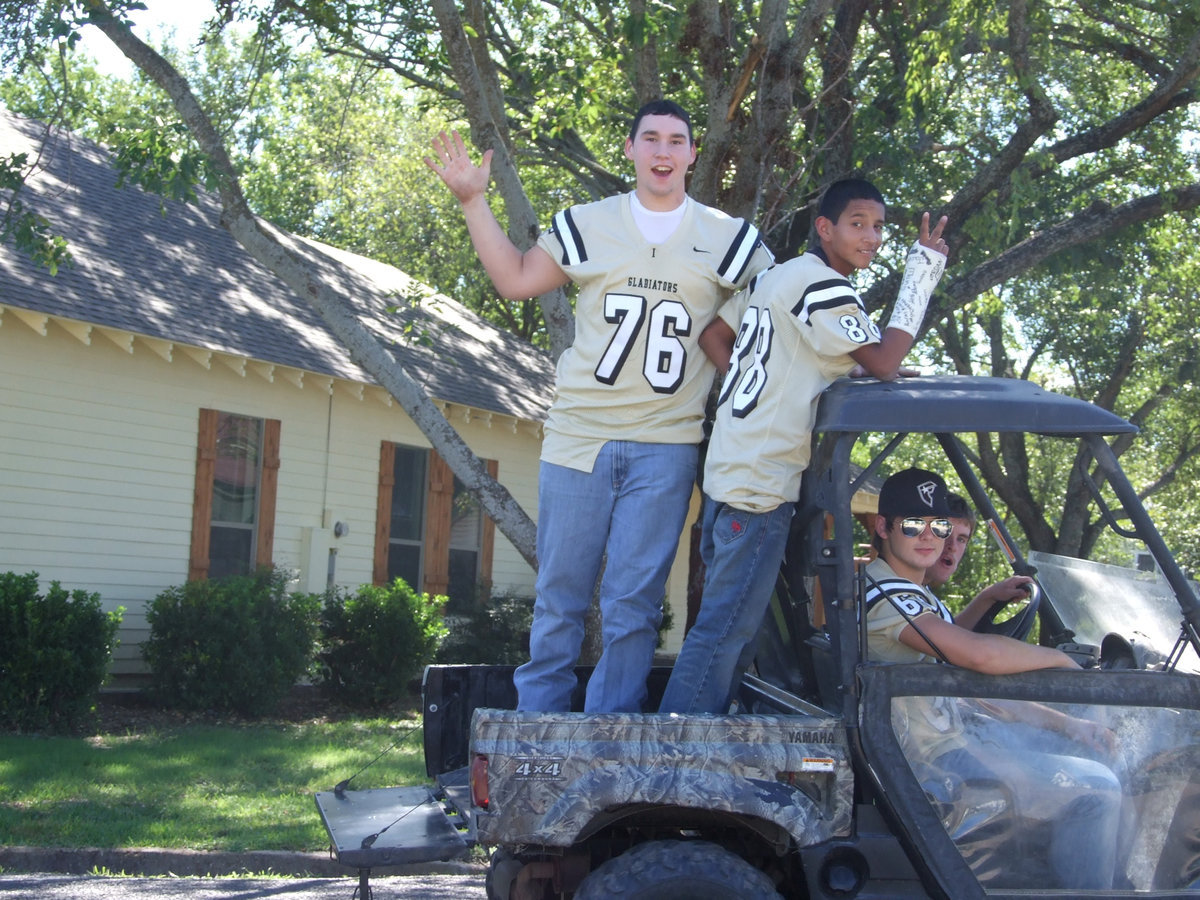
(698, 250)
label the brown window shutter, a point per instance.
(206, 456)
(268, 491)
(439, 512)
(383, 511)
(488, 538)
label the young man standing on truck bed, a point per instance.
(799, 326)
(907, 623)
(621, 441)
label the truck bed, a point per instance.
(555, 777)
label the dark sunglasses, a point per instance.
(914, 526)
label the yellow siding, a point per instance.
(97, 462)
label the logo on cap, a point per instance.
(926, 489)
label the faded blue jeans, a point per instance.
(625, 517)
(743, 551)
(1079, 798)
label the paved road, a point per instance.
(30, 873)
(92, 887)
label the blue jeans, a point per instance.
(746, 550)
(629, 510)
(1079, 798)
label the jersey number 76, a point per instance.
(666, 356)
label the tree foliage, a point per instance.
(1061, 141)
(1050, 135)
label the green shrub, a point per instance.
(235, 644)
(495, 632)
(375, 641)
(492, 632)
(54, 653)
(664, 627)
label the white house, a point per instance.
(169, 409)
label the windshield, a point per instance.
(1059, 796)
(1096, 600)
(1046, 783)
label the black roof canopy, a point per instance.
(959, 403)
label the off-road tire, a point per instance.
(677, 870)
(502, 869)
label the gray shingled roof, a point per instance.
(181, 277)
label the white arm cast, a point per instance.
(922, 271)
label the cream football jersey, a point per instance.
(635, 370)
(892, 603)
(796, 325)
(925, 726)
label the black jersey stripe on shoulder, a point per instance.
(574, 252)
(825, 294)
(756, 280)
(890, 585)
(739, 253)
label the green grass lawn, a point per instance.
(195, 786)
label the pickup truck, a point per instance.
(808, 787)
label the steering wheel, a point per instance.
(1020, 624)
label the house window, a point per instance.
(406, 528)
(430, 531)
(236, 476)
(233, 519)
(466, 540)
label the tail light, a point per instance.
(479, 780)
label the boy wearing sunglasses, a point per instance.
(905, 621)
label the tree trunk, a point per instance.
(483, 98)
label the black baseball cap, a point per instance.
(914, 492)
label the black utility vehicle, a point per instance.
(812, 790)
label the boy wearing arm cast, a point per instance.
(796, 328)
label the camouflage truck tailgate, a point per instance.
(552, 775)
